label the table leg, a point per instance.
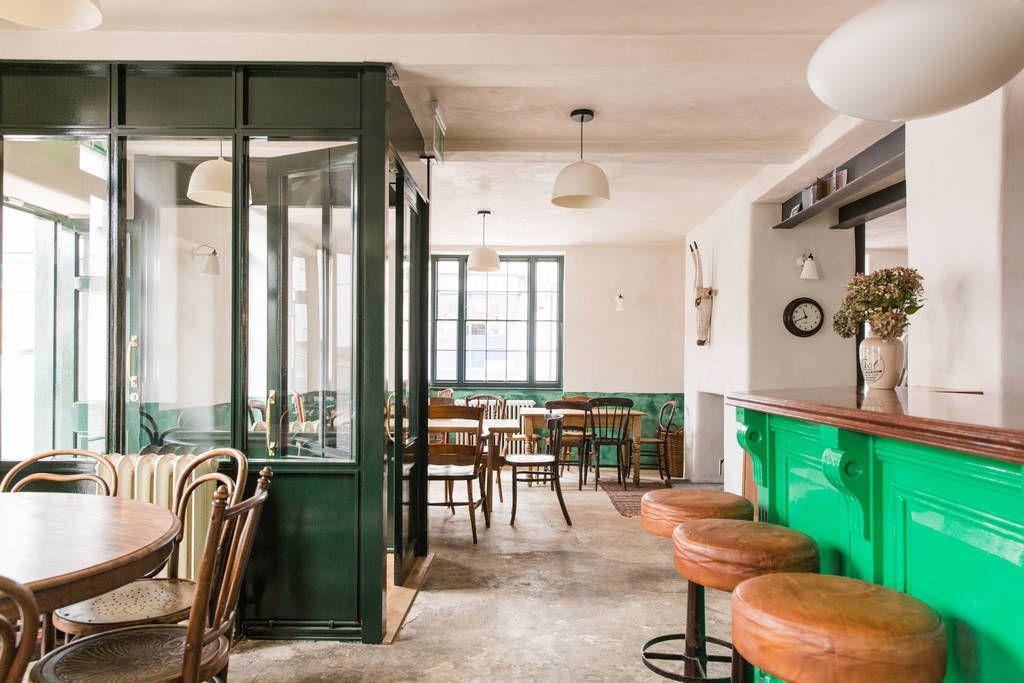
(637, 426)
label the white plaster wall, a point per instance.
(955, 166)
(636, 350)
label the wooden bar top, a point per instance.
(989, 426)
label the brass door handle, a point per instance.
(133, 380)
(271, 400)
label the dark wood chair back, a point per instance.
(665, 417)
(229, 541)
(461, 454)
(607, 420)
(493, 405)
(183, 490)
(579, 399)
(554, 427)
(105, 486)
(18, 638)
(566, 404)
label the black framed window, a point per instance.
(501, 328)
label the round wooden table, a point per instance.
(69, 547)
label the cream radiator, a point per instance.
(150, 477)
(518, 446)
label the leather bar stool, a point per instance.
(720, 554)
(808, 628)
(661, 511)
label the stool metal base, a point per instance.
(647, 656)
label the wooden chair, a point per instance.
(441, 401)
(665, 428)
(494, 409)
(446, 393)
(197, 651)
(453, 462)
(542, 469)
(155, 600)
(570, 438)
(107, 487)
(606, 423)
(16, 650)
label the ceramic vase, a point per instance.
(881, 362)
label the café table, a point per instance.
(494, 431)
(533, 419)
(68, 547)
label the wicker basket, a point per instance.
(677, 454)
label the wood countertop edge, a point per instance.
(992, 442)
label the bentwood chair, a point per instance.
(196, 651)
(453, 462)
(105, 485)
(660, 442)
(570, 438)
(446, 393)
(152, 600)
(541, 469)
(494, 409)
(17, 640)
(606, 423)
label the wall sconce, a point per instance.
(620, 303)
(809, 267)
(210, 260)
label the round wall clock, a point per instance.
(803, 317)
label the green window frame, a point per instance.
(543, 322)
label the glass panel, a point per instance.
(447, 306)
(547, 339)
(54, 300)
(447, 335)
(547, 276)
(475, 366)
(476, 306)
(516, 366)
(301, 300)
(445, 370)
(517, 336)
(476, 335)
(518, 306)
(547, 306)
(179, 247)
(545, 368)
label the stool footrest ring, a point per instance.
(649, 658)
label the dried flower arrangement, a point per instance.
(885, 299)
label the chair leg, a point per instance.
(515, 495)
(501, 496)
(222, 675)
(472, 508)
(558, 492)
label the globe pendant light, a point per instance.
(580, 185)
(483, 259)
(210, 183)
(53, 15)
(908, 59)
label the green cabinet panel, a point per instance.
(305, 97)
(174, 95)
(302, 579)
(945, 527)
(54, 95)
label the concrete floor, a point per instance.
(538, 601)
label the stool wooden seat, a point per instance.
(809, 627)
(662, 510)
(721, 553)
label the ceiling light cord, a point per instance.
(581, 138)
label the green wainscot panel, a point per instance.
(945, 527)
(302, 580)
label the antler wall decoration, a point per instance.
(703, 298)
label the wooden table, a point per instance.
(494, 431)
(69, 547)
(533, 419)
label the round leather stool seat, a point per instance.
(662, 510)
(720, 553)
(810, 627)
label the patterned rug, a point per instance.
(627, 503)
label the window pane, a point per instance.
(496, 337)
(476, 336)
(547, 306)
(476, 306)
(517, 336)
(54, 302)
(547, 336)
(518, 276)
(476, 282)
(447, 335)
(445, 368)
(518, 306)
(448, 306)
(545, 366)
(495, 366)
(497, 281)
(497, 306)
(516, 366)
(547, 276)
(475, 361)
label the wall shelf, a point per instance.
(854, 189)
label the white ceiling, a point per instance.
(693, 97)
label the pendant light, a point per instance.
(908, 59)
(53, 15)
(210, 183)
(483, 259)
(580, 185)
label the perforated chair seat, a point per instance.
(145, 601)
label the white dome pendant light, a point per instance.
(580, 185)
(53, 15)
(210, 183)
(908, 59)
(483, 259)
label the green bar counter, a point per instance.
(921, 491)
